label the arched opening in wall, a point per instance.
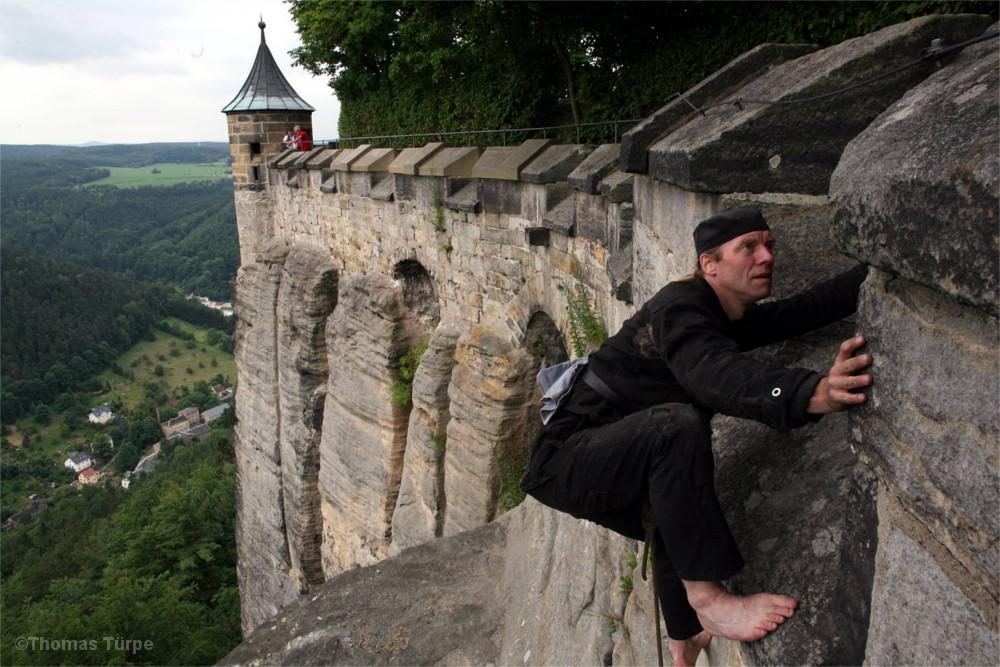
(419, 294)
(544, 346)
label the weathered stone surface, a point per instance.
(507, 164)
(344, 160)
(500, 197)
(537, 199)
(290, 159)
(616, 188)
(262, 552)
(385, 190)
(592, 218)
(588, 174)
(376, 159)
(918, 192)
(364, 434)
(491, 160)
(419, 513)
(437, 604)
(494, 416)
(795, 147)
(802, 510)
(277, 159)
(563, 582)
(465, 198)
(306, 297)
(562, 218)
(931, 428)
(456, 162)
(409, 160)
(620, 273)
(329, 183)
(731, 77)
(323, 158)
(555, 163)
(942, 626)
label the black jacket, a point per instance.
(681, 348)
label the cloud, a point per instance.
(63, 32)
(137, 71)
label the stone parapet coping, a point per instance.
(376, 159)
(409, 160)
(323, 158)
(454, 162)
(508, 167)
(344, 161)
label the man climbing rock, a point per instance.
(628, 428)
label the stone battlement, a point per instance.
(880, 521)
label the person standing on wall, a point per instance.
(627, 429)
(302, 139)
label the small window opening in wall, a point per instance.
(254, 173)
(254, 148)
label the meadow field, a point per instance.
(169, 174)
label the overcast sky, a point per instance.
(139, 71)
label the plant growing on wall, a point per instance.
(402, 389)
(587, 329)
(511, 466)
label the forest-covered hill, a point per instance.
(182, 235)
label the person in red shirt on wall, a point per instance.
(302, 139)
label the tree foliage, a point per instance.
(156, 562)
(418, 67)
(61, 323)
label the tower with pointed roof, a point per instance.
(258, 117)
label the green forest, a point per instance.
(93, 311)
(182, 235)
(406, 67)
(62, 323)
(154, 563)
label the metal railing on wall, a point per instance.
(615, 129)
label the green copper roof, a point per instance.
(266, 89)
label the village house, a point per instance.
(185, 420)
(78, 462)
(212, 414)
(222, 393)
(101, 415)
(89, 477)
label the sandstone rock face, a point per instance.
(918, 191)
(948, 623)
(419, 513)
(307, 296)
(494, 416)
(262, 551)
(924, 212)
(562, 578)
(364, 433)
(936, 450)
(365, 616)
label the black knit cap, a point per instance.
(726, 226)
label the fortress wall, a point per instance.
(864, 508)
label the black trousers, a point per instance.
(661, 456)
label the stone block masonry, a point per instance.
(881, 522)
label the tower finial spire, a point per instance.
(261, 25)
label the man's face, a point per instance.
(742, 273)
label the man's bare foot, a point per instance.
(685, 652)
(738, 617)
